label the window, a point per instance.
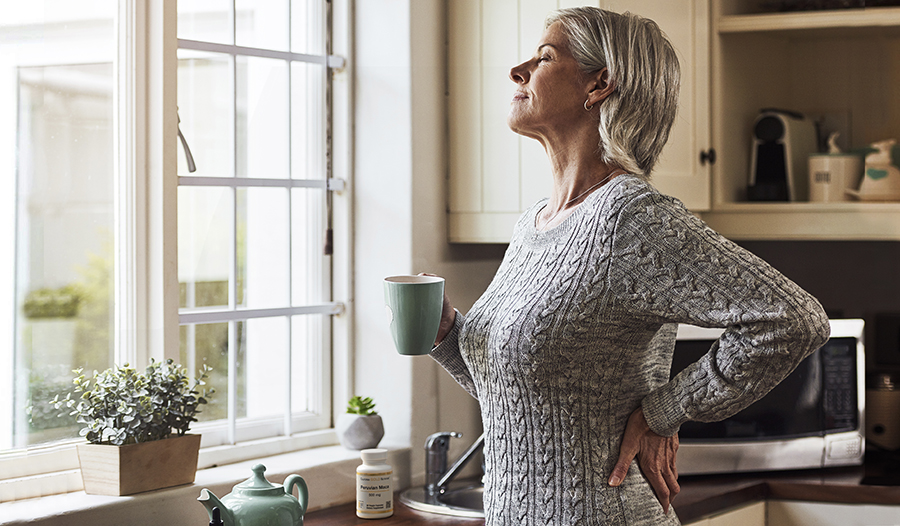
(81, 153)
(252, 214)
(58, 156)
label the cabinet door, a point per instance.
(680, 171)
(494, 173)
(749, 515)
(789, 513)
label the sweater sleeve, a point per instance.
(448, 355)
(670, 267)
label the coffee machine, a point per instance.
(780, 148)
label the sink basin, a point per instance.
(462, 499)
(471, 497)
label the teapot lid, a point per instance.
(257, 485)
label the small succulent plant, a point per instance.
(361, 406)
(123, 406)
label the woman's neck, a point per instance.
(576, 168)
(570, 190)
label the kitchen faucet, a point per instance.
(437, 476)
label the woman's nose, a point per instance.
(519, 74)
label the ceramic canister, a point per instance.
(883, 412)
(831, 174)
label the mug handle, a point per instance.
(302, 490)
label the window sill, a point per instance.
(329, 471)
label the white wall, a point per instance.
(400, 191)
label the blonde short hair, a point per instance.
(636, 118)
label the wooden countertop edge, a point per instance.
(345, 515)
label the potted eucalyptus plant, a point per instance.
(360, 427)
(137, 426)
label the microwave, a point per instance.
(813, 419)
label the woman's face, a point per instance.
(550, 88)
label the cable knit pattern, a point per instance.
(576, 331)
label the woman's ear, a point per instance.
(600, 87)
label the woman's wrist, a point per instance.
(445, 327)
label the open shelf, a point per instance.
(843, 207)
(811, 221)
(887, 18)
(838, 68)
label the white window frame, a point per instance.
(290, 422)
(147, 314)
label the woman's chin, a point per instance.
(515, 124)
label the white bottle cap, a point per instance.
(374, 455)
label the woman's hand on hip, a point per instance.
(448, 315)
(656, 458)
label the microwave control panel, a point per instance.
(839, 402)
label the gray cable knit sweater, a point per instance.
(576, 331)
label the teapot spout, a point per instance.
(210, 502)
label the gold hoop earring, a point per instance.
(588, 108)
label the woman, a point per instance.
(568, 351)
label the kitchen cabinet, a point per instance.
(798, 513)
(787, 513)
(841, 67)
(749, 515)
(494, 174)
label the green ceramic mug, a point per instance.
(414, 308)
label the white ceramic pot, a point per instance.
(359, 432)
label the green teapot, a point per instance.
(257, 502)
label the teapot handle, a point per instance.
(302, 490)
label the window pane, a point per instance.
(208, 344)
(308, 27)
(205, 20)
(205, 224)
(262, 118)
(263, 247)
(307, 121)
(261, 359)
(262, 372)
(57, 151)
(309, 284)
(206, 109)
(257, 244)
(262, 23)
(307, 337)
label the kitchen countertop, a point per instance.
(700, 496)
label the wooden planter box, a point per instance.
(124, 470)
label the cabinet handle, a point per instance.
(708, 155)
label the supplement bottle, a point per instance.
(374, 488)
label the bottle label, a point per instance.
(374, 493)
